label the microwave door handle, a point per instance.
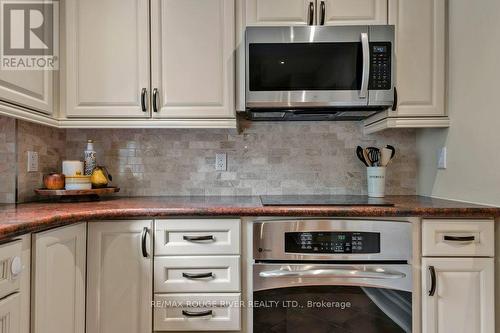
(365, 76)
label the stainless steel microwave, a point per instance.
(316, 69)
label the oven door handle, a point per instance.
(365, 76)
(351, 273)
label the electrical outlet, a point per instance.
(442, 158)
(32, 161)
(220, 162)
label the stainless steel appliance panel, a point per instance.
(269, 239)
(271, 276)
(360, 97)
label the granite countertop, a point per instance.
(23, 218)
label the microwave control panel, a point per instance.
(332, 242)
(380, 66)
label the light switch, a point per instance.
(32, 161)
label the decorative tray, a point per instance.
(77, 195)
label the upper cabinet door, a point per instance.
(356, 12)
(280, 12)
(193, 45)
(420, 56)
(29, 89)
(107, 58)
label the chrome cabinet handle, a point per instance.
(363, 93)
(459, 238)
(144, 92)
(143, 243)
(311, 13)
(334, 273)
(432, 272)
(197, 276)
(155, 100)
(322, 9)
(197, 314)
(198, 238)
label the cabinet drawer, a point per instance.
(10, 267)
(197, 312)
(197, 237)
(197, 274)
(473, 238)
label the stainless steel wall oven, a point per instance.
(314, 276)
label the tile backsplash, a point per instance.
(266, 158)
(7, 160)
(50, 143)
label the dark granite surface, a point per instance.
(18, 219)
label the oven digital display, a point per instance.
(332, 242)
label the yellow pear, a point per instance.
(99, 178)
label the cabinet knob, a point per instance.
(16, 266)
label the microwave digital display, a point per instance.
(379, 49)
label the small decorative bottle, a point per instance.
(90, 161)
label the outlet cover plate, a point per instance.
(32, 161)
(220, 162)
(442, 158)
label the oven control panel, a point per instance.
(380, 67)
(332, 242)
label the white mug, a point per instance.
(376, 181)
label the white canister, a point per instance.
(376, 181)
(72, 168)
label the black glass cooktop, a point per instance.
(323, 200)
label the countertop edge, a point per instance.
(14, 229)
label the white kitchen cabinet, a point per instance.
(420, 66)
(189, 274)
(14, 286)
(107, 58)
(464, 298)
(10, 312)
(458, 238)
(58, 280)
(182, 312)
(197, 237)
(193, 45)
(29, 89)
(351, 12)
(279, 12)
(315, 12)
(119, 277)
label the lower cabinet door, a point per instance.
(119, 279)
(58, 280)
(458, 295)
(197, 312)
(10, 312)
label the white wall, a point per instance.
(473, 140)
